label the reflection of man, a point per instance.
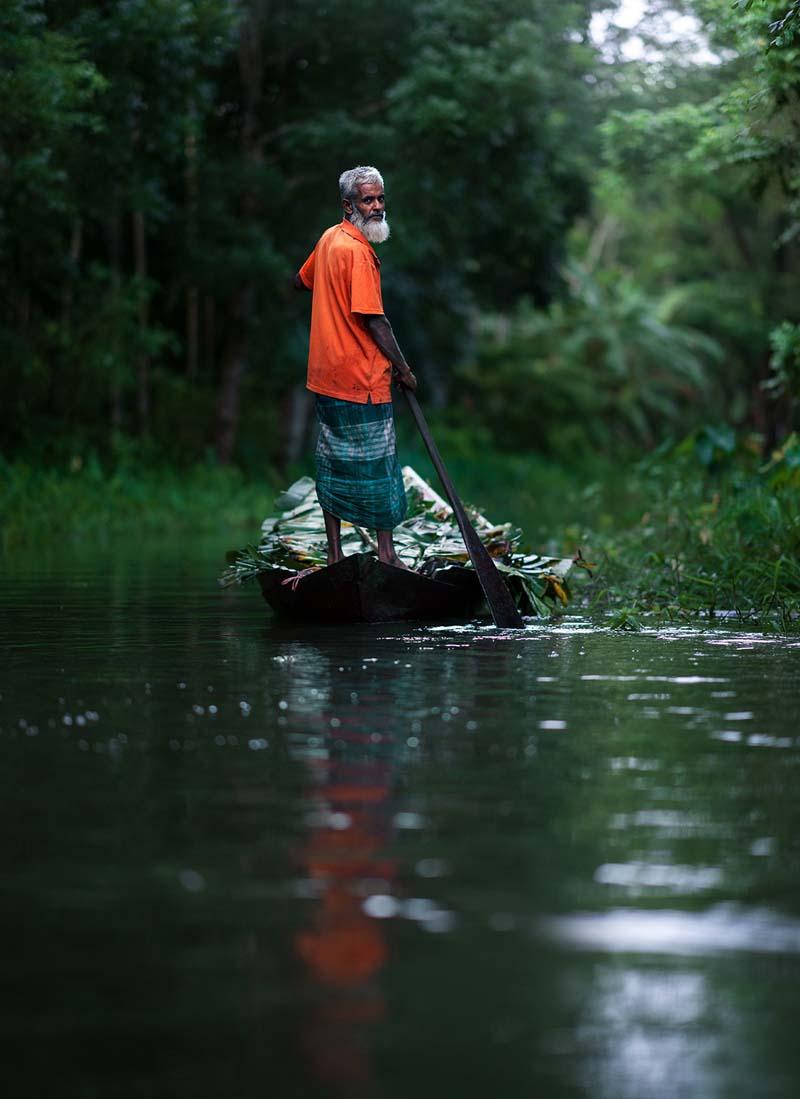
(342, 948)
(351, 357)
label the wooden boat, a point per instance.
(360, 588)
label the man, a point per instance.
(352, 355)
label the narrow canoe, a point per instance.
(360, 588)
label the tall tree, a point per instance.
(218, 131)
(693, 193)
(48, 96)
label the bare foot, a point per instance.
(397, 563)
(387, 552)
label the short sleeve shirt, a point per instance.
(343, 359)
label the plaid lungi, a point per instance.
(358, 474)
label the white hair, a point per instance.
(351, 180)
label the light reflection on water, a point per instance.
(719, 929)
(648, 1034)
(369, 862)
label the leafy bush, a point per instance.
(710, 528)
(604, 367)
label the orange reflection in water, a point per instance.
(342, 949)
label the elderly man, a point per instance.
(352, 355)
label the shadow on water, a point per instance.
(362, 862)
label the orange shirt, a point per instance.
(343, 359)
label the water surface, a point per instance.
(244, 858)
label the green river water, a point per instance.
(246, 859)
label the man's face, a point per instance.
(368, 212)
(370, 204)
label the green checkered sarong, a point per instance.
(358, 474)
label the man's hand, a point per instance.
(378, 326)
(404, 376)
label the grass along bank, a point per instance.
(695, 529)
(86, 498)
(703, 527)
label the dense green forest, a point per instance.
(589, 251)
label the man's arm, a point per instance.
(381, 331)
(298, 283)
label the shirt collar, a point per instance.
(356, 234)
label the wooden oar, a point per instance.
(504, 612)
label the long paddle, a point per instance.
(498, 597)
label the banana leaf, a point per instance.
(427, 539)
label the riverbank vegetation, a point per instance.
(719, 540)
(82, 500)
(595, 245)
(704, 527)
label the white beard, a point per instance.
(375, 231)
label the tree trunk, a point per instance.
(192, 331)
(75, 252)
(23, 310)
(242, 302)
(298, 415)
(740, 239)
(209, 334)
(143, 358)
(115, 263)
(762, 406)
(234, 362)
(192, 293)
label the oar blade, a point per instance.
(501, 604)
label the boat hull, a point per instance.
(360, 588)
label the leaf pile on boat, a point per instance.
(427, 539)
